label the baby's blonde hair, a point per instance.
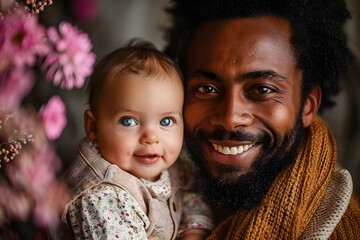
(138, 57)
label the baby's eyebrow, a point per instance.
(123, 109)
(173, 113)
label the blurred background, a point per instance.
(112, 23)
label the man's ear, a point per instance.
(90, 125)
(311, 106)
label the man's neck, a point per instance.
(221, 213)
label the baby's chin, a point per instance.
(148, 175)
(153, 178)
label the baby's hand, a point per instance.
(194, 234)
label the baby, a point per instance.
(125, 181)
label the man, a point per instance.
(257, 73)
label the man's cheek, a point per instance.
(195, 114)
(282, 119)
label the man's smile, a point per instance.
(235, 153)
(232, 150)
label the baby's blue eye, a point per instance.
(127, 122)
(166, 122)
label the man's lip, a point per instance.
(244, 158)
(231, 147)
(231, 142)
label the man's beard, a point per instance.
(248, 189)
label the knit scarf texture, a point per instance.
(293, 197)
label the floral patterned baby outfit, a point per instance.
(110, 203)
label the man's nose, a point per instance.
(149, 136)
(232, 112)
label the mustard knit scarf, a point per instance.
(294, 196)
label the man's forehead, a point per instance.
(242, 29)
(262, 43)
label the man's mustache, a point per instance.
(239, 135)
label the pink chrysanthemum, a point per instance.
(73, 60)
(28, 183)
(34, 170)
(48, 206)
(22, 39)
(53, 117)
(14, 85)
(17, 205)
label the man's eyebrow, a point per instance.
(263, 74)
(251, 75)
(207, 74)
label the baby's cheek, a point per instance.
(124, 150)
(173, 149)
(119, 148)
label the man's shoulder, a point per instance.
(349, 225)
(333, 207)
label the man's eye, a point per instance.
(166, 122)
(127, 121)
(264, 90)
(206, 89)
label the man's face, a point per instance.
(243, 94)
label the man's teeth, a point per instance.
(232, 150)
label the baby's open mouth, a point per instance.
(147, 155)
(150, 158)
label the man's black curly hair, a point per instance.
(318, 37)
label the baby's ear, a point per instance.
(90, 125)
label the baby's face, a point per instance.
(139, 124)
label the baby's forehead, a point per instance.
(168, 75)
(146, 62)
(142, 92)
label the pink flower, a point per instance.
(42, 173)
(34, 169)
(17, 204)
(73, 60)
(22, 39)
(28, 184)
(45, 215)
(50, 206)
(14, 85)
(18, 171)
(53, 117)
